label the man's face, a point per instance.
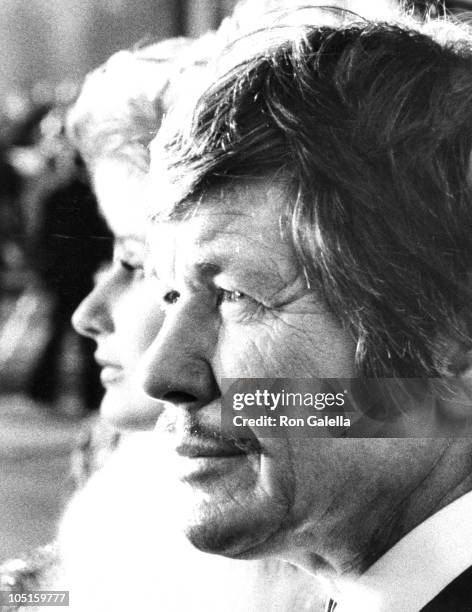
(238, 306)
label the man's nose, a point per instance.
(177, 366)
(92, 317)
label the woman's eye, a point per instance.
(129, 257)
(131, 266)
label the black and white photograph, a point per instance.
(236, 305)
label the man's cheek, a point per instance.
(244, 352)
(312, 345)
(287, 346)
(281, 345)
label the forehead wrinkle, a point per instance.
(236, 232)
(214, 214)
(210, 230)
(213, 236)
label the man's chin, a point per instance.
(233, 531)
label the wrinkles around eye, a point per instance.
(239, 306)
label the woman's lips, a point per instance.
(111, 372)
(111, 375)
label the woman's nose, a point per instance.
(92, 317)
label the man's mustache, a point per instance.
(191, 425)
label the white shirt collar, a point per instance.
(418, 567)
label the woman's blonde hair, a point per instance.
(121, 104)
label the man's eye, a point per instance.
(230, 297)
(240, 305)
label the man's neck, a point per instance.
(445, 479)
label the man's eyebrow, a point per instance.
(239, 267)
(207, 268)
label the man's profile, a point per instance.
(321, 227)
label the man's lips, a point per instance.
(201, 460)
(201, 451)
(201, 441)
(197, 438)
(197, 448)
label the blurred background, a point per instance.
(48, 381)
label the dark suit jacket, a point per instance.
(456, 597)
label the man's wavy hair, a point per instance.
(371, 125)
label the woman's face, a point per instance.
(122, 313)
